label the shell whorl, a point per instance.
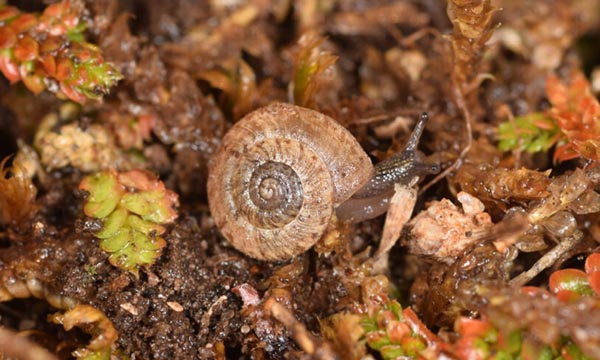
(277, 177)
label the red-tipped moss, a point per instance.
(49, 52)
(390, 330)
(381, 323)
(571, 123)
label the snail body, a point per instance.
(281, 173)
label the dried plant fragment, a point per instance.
(49, 52)
(371, 21)
(572, 192)
(543, 32)
(472, 28)
(398, 214)
(90, 149)
(308, 342)
(444, 231)
(501, 186)
(133, 206)
(93, 322)
(130, 130)
(17, 194)
(471, 20)
(345, 331)
(310, 66)
(238, 82)
(14, 345)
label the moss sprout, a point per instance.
(133, 206)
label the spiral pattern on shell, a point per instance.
(278, 176)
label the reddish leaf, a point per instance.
(472, 327)
(72, 93)
(23, 23)
(52, 43)
(55, 10)
(397, 330)
(471, 347)
(592, 268)
(10, 69)
(35, 83)
(535, 291)
(419, 328)
(26, 49)
(577, 112)
(592, 263)
(8, 38)
(567, 295)
(49, 64)
(64, 69)
(8, 12)
(594, 280)
(569, 279)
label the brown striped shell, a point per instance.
(279, 174)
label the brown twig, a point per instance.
(307, 342)
(547, 260)
(385, 116)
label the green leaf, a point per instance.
(575, 352)
(130, 248)
(113, 223)
(104, 194)
(377, 340)
(532, 133)
(86, 354)
(150, 205)
(140, 250)
(145, 227)
(369, 325)
(512, 342)
(413, 346)
(118, 241)
(396, 309)
(391, 352)
(502, 355)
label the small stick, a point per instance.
(547, 260)
(384, 116)
(307, 342)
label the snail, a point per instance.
(283, 171)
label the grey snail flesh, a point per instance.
(405, 167)
(278, 176)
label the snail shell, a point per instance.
(279, 174)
